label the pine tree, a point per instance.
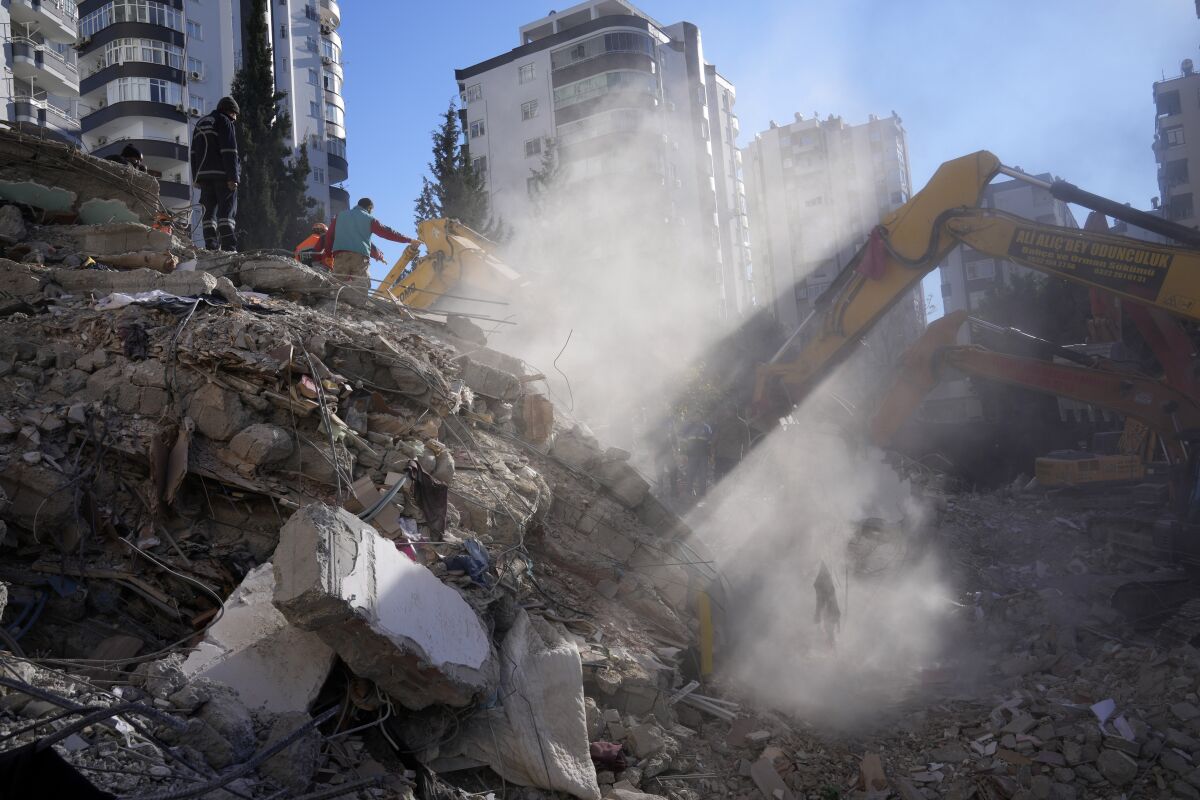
(272, 202)
(457, 190)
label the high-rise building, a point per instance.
(41, 82)
(968, 277)
(816, 188)
(637, 114)
(151, 69)
(1177, 143)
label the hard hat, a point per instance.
(320, 227)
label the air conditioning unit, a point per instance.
(326, 60)
(101, 140)
(195, 76)
(83, 42)
(195, 112)
(180, 108)
(326, 30)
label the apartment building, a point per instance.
(151, 69)
(816, 188)
(1177, 143)
(41, 80)
(636, 112)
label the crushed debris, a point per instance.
(262, 535)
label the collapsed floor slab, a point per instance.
(389, 618)
(253, 649)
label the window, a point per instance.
(314, 109)
(525, 73)
(529, 110)
(154, 90)
(478, 129)
(1180, 206)
(318, 174)
(533, 147)
(197, 102)
(195, 30)
(332, 83)
(898, 197)
(474, 92)
(1168, 103)
(312, 77)
(334, 115)
(195, 65)
(310, 11)
(146, 11)
(479, 164)
(329, 50)
(1175, 173)
(120, 51)
(578, 52)
(283, 31)
(980, 270)
(1173, 136)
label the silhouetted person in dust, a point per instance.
(828, 616)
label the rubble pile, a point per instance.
(232, 483)
(263, 535)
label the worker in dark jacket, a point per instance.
(215, 170)
(349, 241)
(130, 156)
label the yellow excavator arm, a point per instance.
(458, 265)
(915, 238)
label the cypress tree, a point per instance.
(457, 190)
(272, 202)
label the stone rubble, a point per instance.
(284, 532)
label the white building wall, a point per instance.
(671, 136)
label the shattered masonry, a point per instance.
(263, 536)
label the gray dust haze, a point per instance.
(611, 279)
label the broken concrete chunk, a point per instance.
(389, 618)
(262, 444)
(12, 225)
(218, 412)
(294, 766)
(1117, 767)
(253, 649)
(489, 381)
(646, 740)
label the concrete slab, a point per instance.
(390, 619)
(254, 649)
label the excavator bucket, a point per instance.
(459, 272)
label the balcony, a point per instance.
(339, 170)
(38, 63)
(330, 13)
(339, 199)
(57, 20)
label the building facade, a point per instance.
(635, 113)
(968, 277)
(149, 70)
(1177, 143)
(41, 77)
(816, 188)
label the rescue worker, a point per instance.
(828, 616)
(697, 446)
(348, 242)
(312, 250)
(130, 156)
(215, 170)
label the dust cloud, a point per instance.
(615, 310)
(794, 503)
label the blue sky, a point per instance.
(1060, 86)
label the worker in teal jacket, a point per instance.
(348, 243)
